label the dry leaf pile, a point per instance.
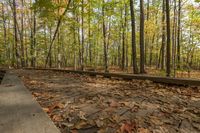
(82, 104)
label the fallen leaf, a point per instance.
(128, 127)
(46, 110)
(114, 104)
(116, 118)
(82, 115)
(56, 106)
(125, 104)
(196, 125)
(35, 94)
(156, 120)
(68, 124)
(143, 130)
(57, 118)
(101, 131)
(99, 123)
(81, 124)
(74, 131)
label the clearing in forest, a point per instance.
(83, 104)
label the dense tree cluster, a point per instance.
(101, 33)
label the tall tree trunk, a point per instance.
(74, 36)
(133, 35)
(162, 50)
(151, 51)
(168, 70)
(33, 38)
(22, 35)
(4, 30)
(179, 34)
(89, 32)
(124, 22)
(59, 48)
(79, 42)
(15, 33)
(142, 58)
(174, 40)
(104, 39)
(82, 35)
(147, 38)
(26, 48)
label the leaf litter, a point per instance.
(83, 104)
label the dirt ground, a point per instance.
(83, 104)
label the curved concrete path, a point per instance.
(19, 112)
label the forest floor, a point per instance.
(83, 104)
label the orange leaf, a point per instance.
(128, 127)
(57, 118)
(35, 94)
(57, 106)
(114, 104)
(46, 110)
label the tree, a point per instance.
(104, 38)
(142, 56)
(22, 35)
(168, 70)
(56, 31)
(133, 35)
(82, 35)
(162, 50)
(16, 34)
(179, 34)
(4, 26)
(99, 34)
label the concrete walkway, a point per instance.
(19, 112)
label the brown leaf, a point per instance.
(60, 105)
(56, 106)
(35, 94)
(143, 130)
(99, 123)
(81, 124)
(74, 131)
(114, 104)
(128, 127)
(125, 103)
(57, 118)
(116, 118)
(82, 115)
(156, 120)
(101, 131)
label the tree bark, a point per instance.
(82, 36)
(22, 36)
(104, 39)
(15, 33)
(162, 51)
(179, 34)
(4, 29)
(142, 56)
(133, 35)
(168, 70)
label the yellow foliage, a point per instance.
(62, 4)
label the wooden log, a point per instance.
(92, 70)
(157, 79)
